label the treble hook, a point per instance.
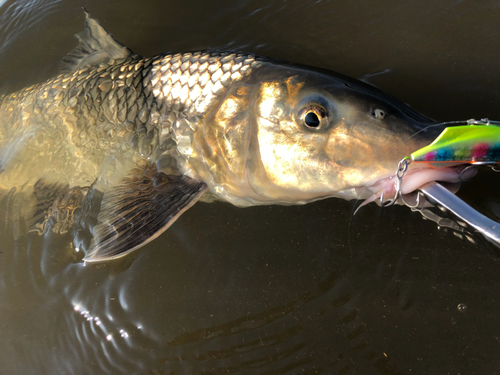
(412, 206)
(400, 172)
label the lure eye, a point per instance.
(313, 116)
(379, 114)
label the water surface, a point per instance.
(305, 289)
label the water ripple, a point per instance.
(17, 14)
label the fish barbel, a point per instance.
(117, 147)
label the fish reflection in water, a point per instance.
(117, 147)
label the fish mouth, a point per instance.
(385, 189)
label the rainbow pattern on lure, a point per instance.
(475, 143)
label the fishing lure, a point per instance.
(476, 143)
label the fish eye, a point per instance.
(379, 114)
(313, 116)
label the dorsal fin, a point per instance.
(96, 46)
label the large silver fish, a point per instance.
(118, 146)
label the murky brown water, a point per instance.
(268, 289)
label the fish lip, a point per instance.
(413, 179)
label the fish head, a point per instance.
(290, 135)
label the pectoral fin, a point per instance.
(139, 209)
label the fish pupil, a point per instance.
(311, 120)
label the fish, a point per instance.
(117, 146)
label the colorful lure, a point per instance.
(476, 143)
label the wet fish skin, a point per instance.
(263, 153)
(126, 144)
(127, 105)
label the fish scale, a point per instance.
(83, 117)
(102, 99)
(191, 82)
(118, 146)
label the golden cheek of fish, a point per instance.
(118, 146)
(286, 135)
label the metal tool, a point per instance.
(439, 195)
